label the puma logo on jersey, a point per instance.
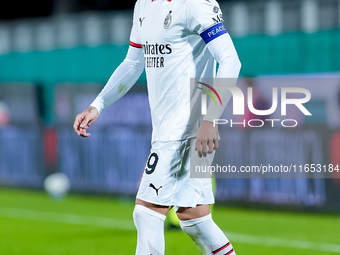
(141, 21)
(153, 186)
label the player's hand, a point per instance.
(84, 120)
(207, 139)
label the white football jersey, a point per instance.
(173, 35)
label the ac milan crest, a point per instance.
(167, 21)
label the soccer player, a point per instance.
(174, 40)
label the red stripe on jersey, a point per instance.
(220, 249)
(135, 44)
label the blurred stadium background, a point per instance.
(56, 55)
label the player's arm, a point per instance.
(224, 52)
(120, 82)
(205, 18)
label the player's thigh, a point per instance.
(189, 213)
(157, 208)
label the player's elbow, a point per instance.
(134, 64)
(134, 59)
(231, 65)
(237, 63)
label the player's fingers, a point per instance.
(198, 147)
(199, 152)
(84, 123)
(210, 146)
(83, 133)
(76, 125)
(75, 128)
(204, 147)
(216, 144)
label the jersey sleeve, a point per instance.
(223, 51)
(122, 79)
(134, 36)
(205, 17)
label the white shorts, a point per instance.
(166, 179)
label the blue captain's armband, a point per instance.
(213, 32)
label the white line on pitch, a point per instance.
(278, 242)
(122, 224)
(68, 218)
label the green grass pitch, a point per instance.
(31, 223)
